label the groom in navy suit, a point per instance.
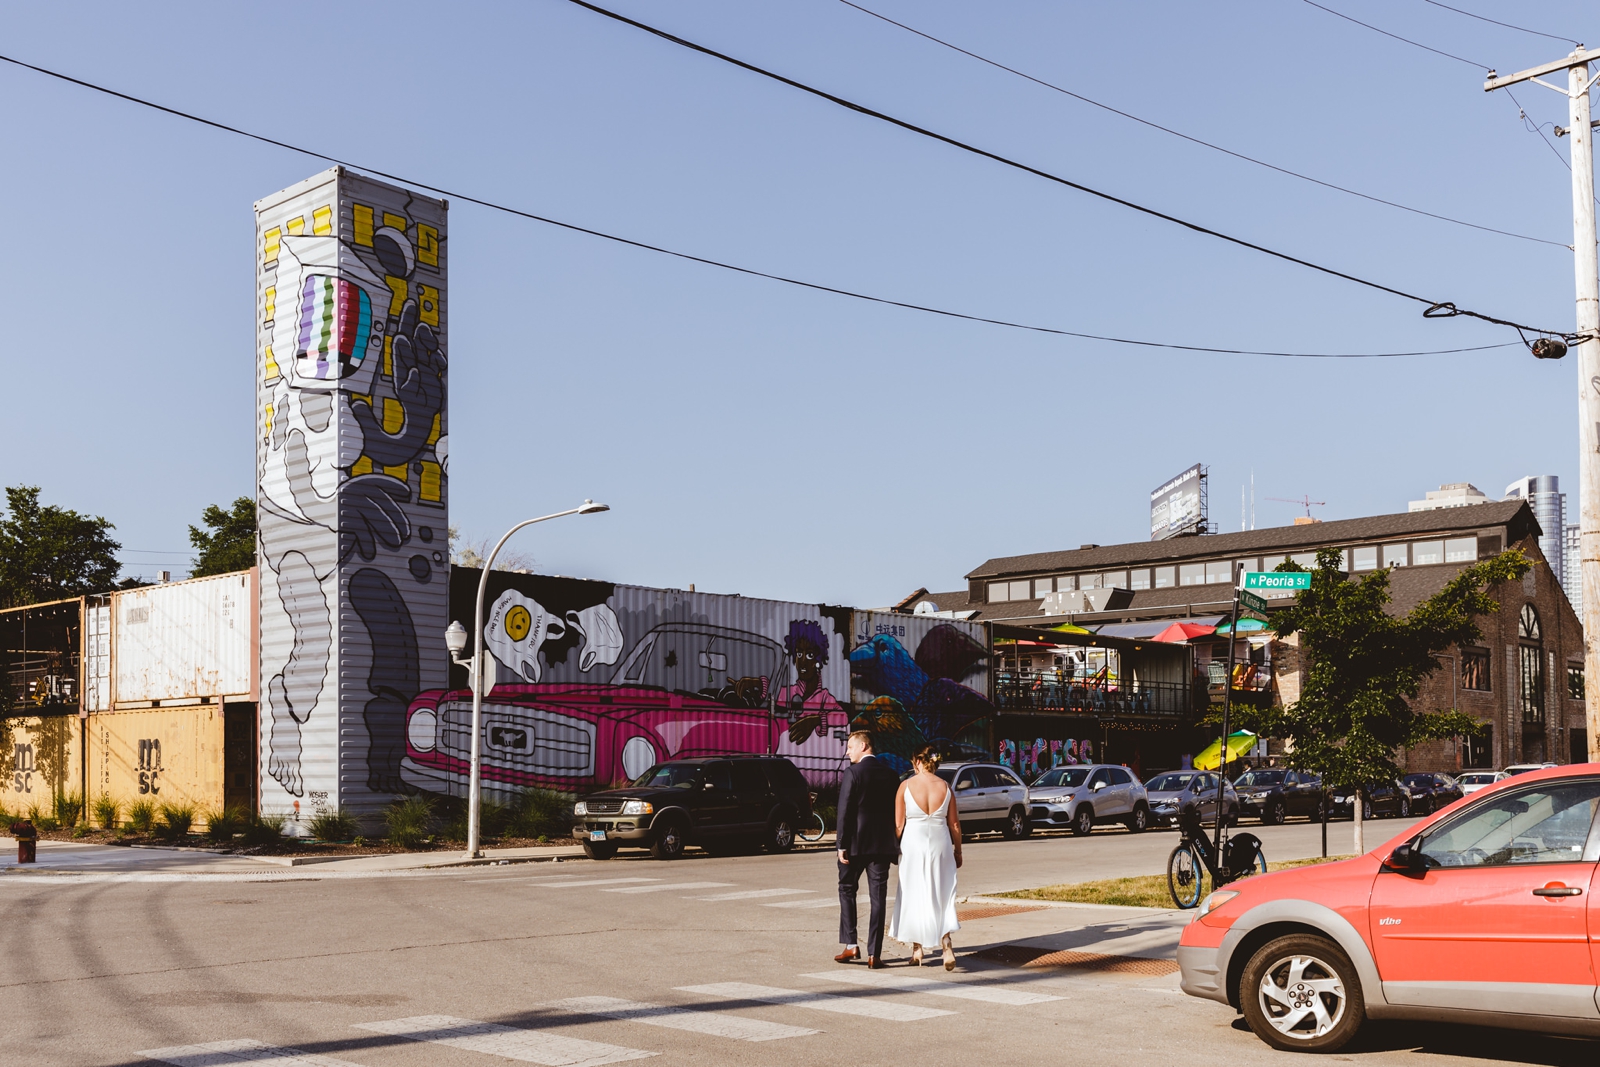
(867, 842)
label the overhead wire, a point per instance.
(1497, 22)
(707, 261)
(1192, 139)
(1432, 308)
(1397, 37)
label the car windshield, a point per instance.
(1476, 779)
(1172, 782)
(1419, 781)
(670, 776)
(1067, 777)
(1259, 779)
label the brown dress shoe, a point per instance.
(848, 955)
(875, 963)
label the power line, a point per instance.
(1497, 22)
(1192, 139)
(1397, 37)
(1433, 308)
(750, 271)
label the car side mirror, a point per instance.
(1097, 787)
(709, 785)
(1408, 861)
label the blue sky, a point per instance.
(761, 439)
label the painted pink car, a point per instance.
(1486, 913)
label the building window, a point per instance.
(1394, 555)
(1114, 580)
(1139, 579)
(1580, 745)
(1305, 560)
(1574, 682)
(1041, 586)
(1088, 581)
(1066, 582)
(1531, 663)
(1426, 552)
(1461, 550)
(1479, 751)
(1192, 574)
(1364, 558)
(999, 592)
(1528, 623)
(1475, 670)
(1019, 590)
(1219, 571)
(1165, 577)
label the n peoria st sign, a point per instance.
(1277, 580)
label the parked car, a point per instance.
(1430, 792)
(989, 796)
(1175, 791)
(1378, 800)
(719, 803)
(1088, 795)
(1478, 916)
(1524, 768)
(1272, 795)
(1472, 781)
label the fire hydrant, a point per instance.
(27, 841)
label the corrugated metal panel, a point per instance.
(164, 755)
(353, 453)
(97, 654)
(39, 760)
(182, 640)
(891, 653)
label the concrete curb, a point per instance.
(1027, 902)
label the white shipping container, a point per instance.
(184, 640)
(97, 654)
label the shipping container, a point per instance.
(181, 641)
(41, 646)
(352, 446)
(41, 757)
(97, 653)
(176, 755)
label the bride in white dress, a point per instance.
(930, 852)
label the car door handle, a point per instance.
(1557, 891)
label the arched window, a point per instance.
(1528, 624)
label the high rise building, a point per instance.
(1543, 494)
(1574, 571)
(1454, 495)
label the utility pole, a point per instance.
(1587, 273)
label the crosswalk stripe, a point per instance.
(591, 881)
(824, 903)
(754, 894)
(986, 992)
(239, 1050)
(668, 885)
(715, 1024)
(889, 1011)
(526, 1046)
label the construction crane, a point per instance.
(1304, 501)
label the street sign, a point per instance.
(1250, 602)
(1277, 580)
(1252, 613)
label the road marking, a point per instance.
(239, 1050)
(825, 903)
(989, 993)
(752, 894)
(528, 1046)
(591, 881)
(669, 885)
(889, 1011)
(699, 1022)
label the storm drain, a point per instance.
(1023, 956)
(967, 912)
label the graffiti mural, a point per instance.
(594, 683)
(351, 495)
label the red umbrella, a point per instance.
(1179, 632)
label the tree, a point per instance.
(1364, 667)
(230, 544)
(471, 554)
(51, 553)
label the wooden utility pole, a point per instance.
(1587, 273)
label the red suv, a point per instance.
(1485, 914)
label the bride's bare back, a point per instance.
(928, 789)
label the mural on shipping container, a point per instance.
(1029, 757)
(594, 683)
(352, 462)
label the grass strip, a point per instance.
(1143, 891)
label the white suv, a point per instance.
(1082, 797)
(989, 796)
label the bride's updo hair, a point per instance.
(928, 756)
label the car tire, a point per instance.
(1276, 991)
(1367, 814)
(1139, 821)
(1274, 814)
(1016, 825)
(780, 833)
(599, 850)
(670, 839)
(1082, 821)
(1405, 808)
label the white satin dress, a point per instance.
(925, 902)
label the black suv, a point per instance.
(1430, 792)
(1272, 795)
(721, 803)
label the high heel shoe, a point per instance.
(916, 955)
(949, 954)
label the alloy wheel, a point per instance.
(1302, 997)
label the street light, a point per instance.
(455, 639)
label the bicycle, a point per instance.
(1195, 856)
(808, 834)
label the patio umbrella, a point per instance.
(1068, 628)
(1179, 632)
(1239, 743)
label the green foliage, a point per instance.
(142, 816)
(262, 829)
(493, 815)
(541, 813)
(68, 808)
(223, 823)
(332, 825)
(50, 553)
(107, 810)
(408, 820)
(177, 820)
(81, 830)
(230, 542)
(1364, 666)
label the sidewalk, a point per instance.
(69, 857)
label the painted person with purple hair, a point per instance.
(812, 711)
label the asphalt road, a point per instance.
(707, 961)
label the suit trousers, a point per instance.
(877, 869)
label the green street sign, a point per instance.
(1277, 580)
(1252, 613)
(1250, 602)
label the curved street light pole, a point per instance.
(474, 791)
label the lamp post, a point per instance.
(455, 639)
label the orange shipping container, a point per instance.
(39, 757)
(171, 755)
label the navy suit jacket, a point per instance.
(866, 810)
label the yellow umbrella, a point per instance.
(1238, 744)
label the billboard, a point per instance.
(1176, 506)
